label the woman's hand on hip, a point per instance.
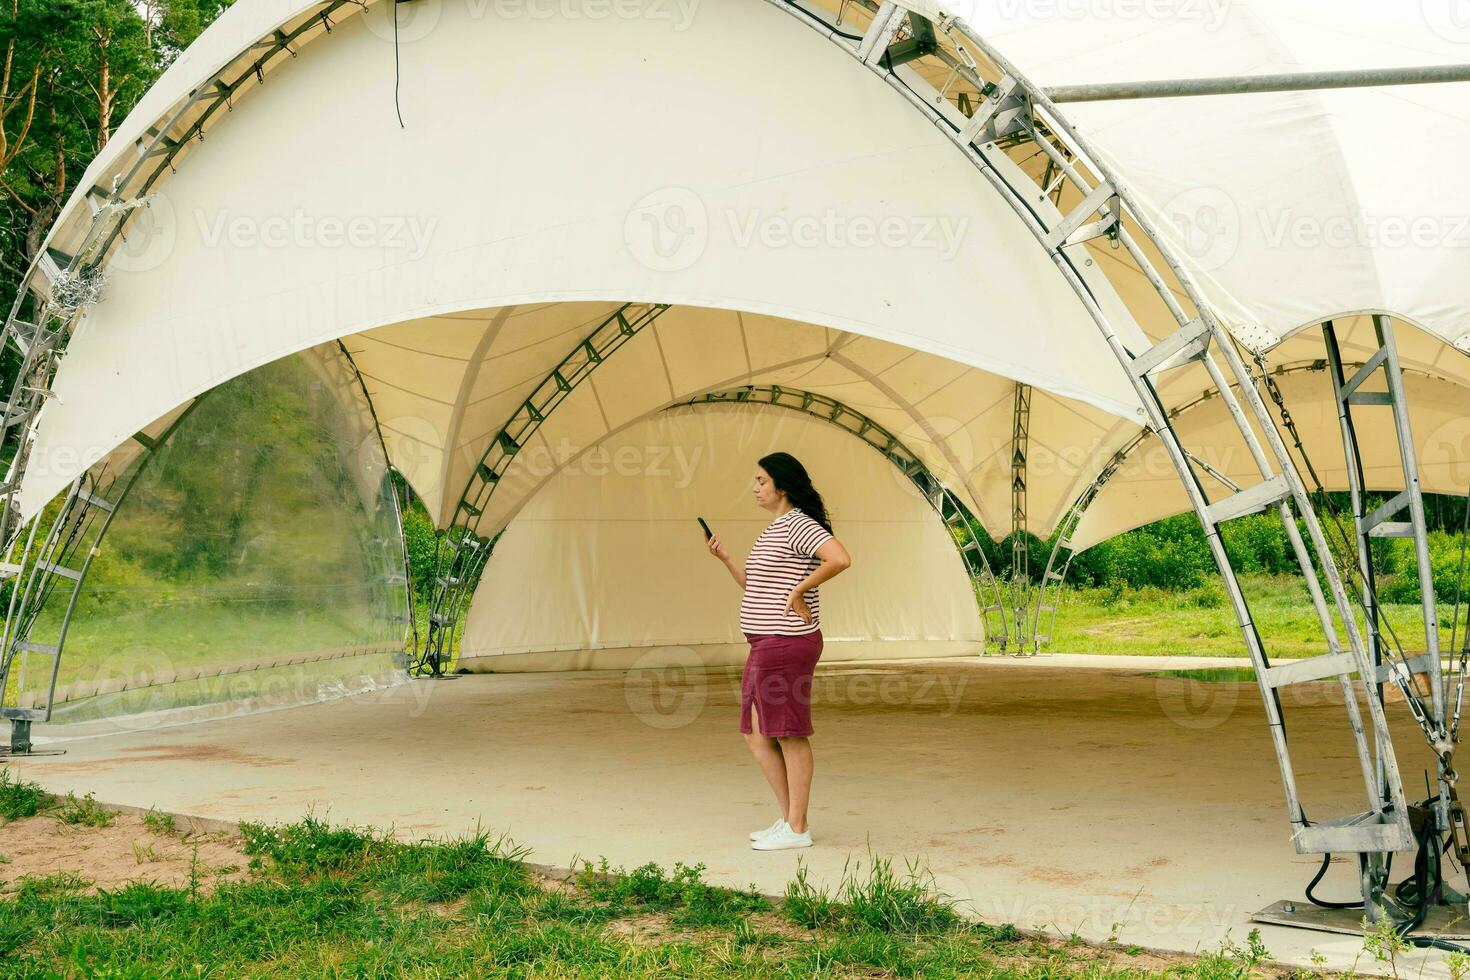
(796, 604)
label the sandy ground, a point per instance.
(108, 857)
(1060, 793)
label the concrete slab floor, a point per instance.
(1065, 793)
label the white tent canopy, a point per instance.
(1287, 208)
(805, 223)
(511, 211)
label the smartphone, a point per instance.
(707, 532)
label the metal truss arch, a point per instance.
(462, 551)
(949, 508)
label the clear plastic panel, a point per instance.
(254, 559)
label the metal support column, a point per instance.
(1421, 676)
(1020, 592)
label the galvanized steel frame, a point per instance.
(1013, 107)
(1020, 578)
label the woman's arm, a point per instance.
(718, 550)
(834, 561)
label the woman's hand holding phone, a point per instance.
(715, 548)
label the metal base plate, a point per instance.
(1442, 922)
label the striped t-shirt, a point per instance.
(783, 555)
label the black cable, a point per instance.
(1320, 903)
(1414, 892)
(396, 75)
(840, 33)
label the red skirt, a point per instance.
(778, 681)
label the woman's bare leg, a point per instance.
(796, 753)
(767, 752)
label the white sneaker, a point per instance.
(767, 831)
(783, 839)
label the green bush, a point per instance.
(421, 542)
(1444, 559)
(1257, 543)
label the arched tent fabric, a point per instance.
(222, 210)
(606, 566)
(1287, 208)
(443, 388)
(497, 208)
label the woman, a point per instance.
(780, 617)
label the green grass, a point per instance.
(18, 799)
(1200, 623)
(325, 901)
(160, 823)
(86, 811)
(1226, 674)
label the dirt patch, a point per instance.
(109, 857)
(204, 753)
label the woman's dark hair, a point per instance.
(790, 477)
